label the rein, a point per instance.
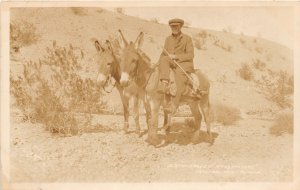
(103, 87)
(136, 71)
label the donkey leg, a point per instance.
(136, 115)
(125, 102)
(126, 114)
(148, 113)
(167, 123)
(205, 109)
(152, 132)
(197, 118)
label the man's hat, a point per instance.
(176, 21)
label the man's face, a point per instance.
(176, 28)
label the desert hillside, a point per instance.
(219, 54)
(251, 84)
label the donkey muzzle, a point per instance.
(124, 81)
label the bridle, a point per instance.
(106, 83)
(135, 72)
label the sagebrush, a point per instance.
(22, 34)
(200, 40)
(284, 123)
(245, 72)
(52, 92)
(79, 11)
(277, 87)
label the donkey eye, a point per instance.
(109, 64)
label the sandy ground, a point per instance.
(242, 152)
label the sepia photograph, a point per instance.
(148, 93)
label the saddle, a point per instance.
(191, 89)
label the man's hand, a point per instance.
(173, 56)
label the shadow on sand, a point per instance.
(183, 134)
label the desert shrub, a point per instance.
(119, 10)
(224, 114)
(284, 123)
(277, 87)
(22, 34)
(100, 10)
(221, 44)
(245, 72)
(259, 50)
(52, 92)
(79, 11)
(259, 65)
(155, 20)
(200, 40)
(281, 88)
(242, 41)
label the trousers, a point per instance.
(180, 78)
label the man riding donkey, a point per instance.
(178, 53)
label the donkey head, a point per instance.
(106, 62)
(129, 59)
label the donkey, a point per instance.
(135, 67)
(109, 70)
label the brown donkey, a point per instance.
(134, 67)
(109, 70)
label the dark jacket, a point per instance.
(182, 47)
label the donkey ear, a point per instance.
(123, 40)
(139, 41)
(109, 46)
(98, 46)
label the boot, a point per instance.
(163, 87)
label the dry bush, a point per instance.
(259, 65)
(155, 20)
(221, 44)
(243, 42)
(100, 10)
(245, 72)
(120, 10)
(79, 11)
(22, 34)
(200, 40)
(277, 87)
(52, 92)
(224, 114)
(284, 123)
(259, 50)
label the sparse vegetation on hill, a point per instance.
(22, 34)
(51, 92)
(200, 40)
(284, 123)
(120, 10)
(259, 65)
(245, 72)
(79, 11)
(277, 87)
(155, 20)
